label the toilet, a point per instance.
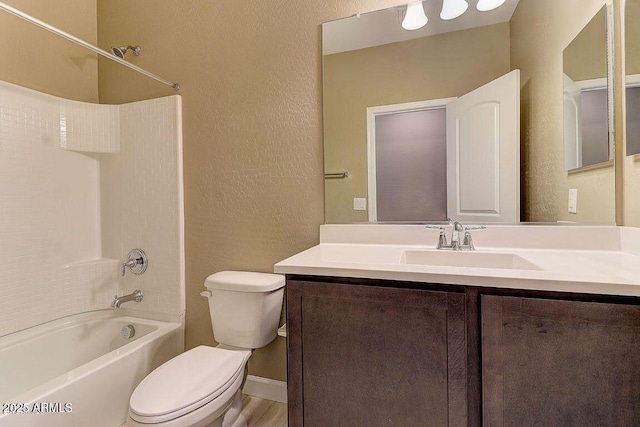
(203, 386)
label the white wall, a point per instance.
(52, 214)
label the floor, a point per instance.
(262, 412)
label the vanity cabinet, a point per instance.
(552, 362)
(384, 353)
(375, 356)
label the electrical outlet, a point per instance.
(573, 200)
(359, 204)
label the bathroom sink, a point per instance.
(467, 259)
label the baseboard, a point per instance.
(266, 388)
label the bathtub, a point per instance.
(79, 370)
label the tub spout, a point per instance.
(135, 296)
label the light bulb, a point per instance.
(486, 5)
(414, 18)
(451, 9)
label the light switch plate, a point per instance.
(573, 200)
(359, 204)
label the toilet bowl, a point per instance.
(203, 386)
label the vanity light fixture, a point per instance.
(486, 5)
(451, 9)
(414, 18)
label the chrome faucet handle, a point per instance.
(474, 227)
(434, 227)
(442, 238)
(468, 240)
(136, 261)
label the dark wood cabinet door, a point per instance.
(374, 356)
(559, 363)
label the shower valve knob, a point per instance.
(136, 261)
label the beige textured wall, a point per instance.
(632, 191)
(37, 59)
(251, 89)
(632, 36)
(441, 66)
(586, 55)
(540, 30)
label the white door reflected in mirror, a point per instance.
(460, 157)
(483, 153)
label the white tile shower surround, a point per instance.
(148, 175)
(55, 225)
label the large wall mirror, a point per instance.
(586, 97)
(632, 113)
(388, 99)
(632, 78)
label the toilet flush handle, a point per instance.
(206, 294)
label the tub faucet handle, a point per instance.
(136, 261)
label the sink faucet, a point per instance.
(455, 235)
(134, 296)
(455, 245)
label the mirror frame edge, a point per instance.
(618, 136)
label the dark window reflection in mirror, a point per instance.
(586, 123)
(632, 65)
(595, 128)
(411, 159)
(633, 120)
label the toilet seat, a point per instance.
(194, 379)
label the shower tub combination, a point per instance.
(80, 370)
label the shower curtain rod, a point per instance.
(84, 44)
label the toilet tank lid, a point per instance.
(244, 281)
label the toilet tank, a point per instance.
(245, 307)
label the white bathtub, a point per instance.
(79, 370)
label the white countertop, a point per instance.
(597, 260)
